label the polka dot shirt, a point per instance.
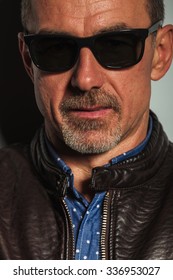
(86, 219)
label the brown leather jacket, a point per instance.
(137, 212)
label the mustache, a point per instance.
(94, 97)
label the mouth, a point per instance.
(91, 112)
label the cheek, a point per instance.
(137, 82)
(42, 95)
(134, 90)
(138, 90)
(49, 91)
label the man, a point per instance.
(96, 182)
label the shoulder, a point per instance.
(170, 155)
(170, 151)
(171, 146)
(13, 156)
(19, 182)
(15, 166)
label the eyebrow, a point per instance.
(53, 32)
(117, 27)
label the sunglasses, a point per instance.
(113, 50)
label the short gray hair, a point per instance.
(155, 10)
(26, 11)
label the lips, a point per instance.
(94, 104)
(92, 112)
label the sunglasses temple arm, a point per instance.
(155, 27)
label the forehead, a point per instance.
(84, 17)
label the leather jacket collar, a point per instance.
(129, 173)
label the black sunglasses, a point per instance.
(113, 50)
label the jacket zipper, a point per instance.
(105, 228)
(70, 248)
(70, 245)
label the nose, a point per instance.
(87, 73)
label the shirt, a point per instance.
(87, 217)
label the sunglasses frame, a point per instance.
(88, 42)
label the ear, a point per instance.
(163, 53)
(25, 55)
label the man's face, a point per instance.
(88, 107)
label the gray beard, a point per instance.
(75, 136)
(89, 136)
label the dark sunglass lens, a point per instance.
(118, 50)
(53, 53)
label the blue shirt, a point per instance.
(87, 217)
